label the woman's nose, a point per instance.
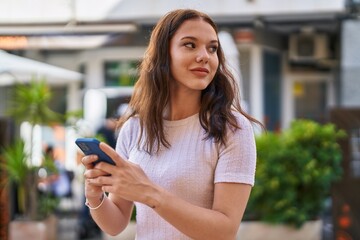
(202, 55)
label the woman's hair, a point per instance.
(152, 90)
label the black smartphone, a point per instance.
(91, 146)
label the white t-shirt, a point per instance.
(189, 168)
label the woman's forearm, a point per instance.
(111, 218)
(201, 223)
(194, 221)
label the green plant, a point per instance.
(30, 104)
(295, 170)
(17, 171)
(15, 163)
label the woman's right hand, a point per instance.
(115, 212)
(93, 192)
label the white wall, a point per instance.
(145, 9)
(93, 61)
(55, 11)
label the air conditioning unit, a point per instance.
(353, 6)
(308, 47)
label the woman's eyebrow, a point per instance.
(190, 37)
(194, 38)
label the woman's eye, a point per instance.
(213, 49)
(189, 45)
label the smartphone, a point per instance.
(91, 146)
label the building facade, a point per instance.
(297, 59)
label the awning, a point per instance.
(16, 69)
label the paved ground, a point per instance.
(68, 229)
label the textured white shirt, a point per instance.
(189, 168)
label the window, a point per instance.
(121, 73)
(355, 152)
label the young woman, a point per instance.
(186, 153)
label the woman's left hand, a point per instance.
(126, 180)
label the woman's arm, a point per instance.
(114, 213)
(131, 183)
(220, 222)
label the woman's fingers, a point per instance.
(112, 154)
(88, 161)
(94, 173)
(125, 179)
(100, 181)
(106, 167)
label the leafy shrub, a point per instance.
(295, 170)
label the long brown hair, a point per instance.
(152, 92)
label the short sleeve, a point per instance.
(127, 137)
(237, 160)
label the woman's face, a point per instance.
(193, 55)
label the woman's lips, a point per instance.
(200, 71)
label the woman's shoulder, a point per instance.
(128, 134)
(130, 126)
(131, 122)
(244, 133)
(242, 120)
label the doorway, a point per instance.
(307, 95)
(272, 90)
(310, 100)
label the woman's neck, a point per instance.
(180, 113)
(182, 106)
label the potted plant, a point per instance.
(295, 170)
(15, 163)
(30, 105)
